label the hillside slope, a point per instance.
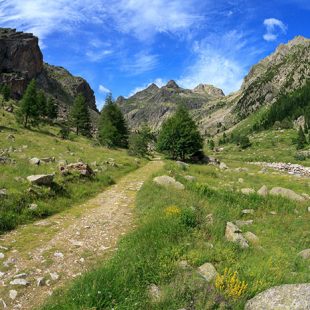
(284, 71)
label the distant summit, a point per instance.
(210, 90)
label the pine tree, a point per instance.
(80, 117)
(301, 139)
(113, 130)
(6, 92)
(179, 137)
(29, 111)
(41, 103)
(51, 109)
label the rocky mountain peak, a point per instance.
(172, 84)
(209, 90)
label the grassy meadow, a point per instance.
(178, 231)
(43, 142)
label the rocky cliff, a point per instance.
(285, 70)
(21, 61)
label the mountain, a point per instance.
(284, 71)
(21, 60)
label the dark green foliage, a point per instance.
(301, 139)
(5, 92)
(244, 142)
(64, 132)
(80, 117)
(179, 137)
(224, 139)
(138, 143)
(29, 110)
(211, 144)
(113, 130)
(41, 103)
(51, 109)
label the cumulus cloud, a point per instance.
(274, 27)
(103, 90)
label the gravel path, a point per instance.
(43, 256)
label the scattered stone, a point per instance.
(76, 243)
(167, 181)
(247, 191)
(21, 282)
(190, 178)
(234, 234)
(247, 211)
(2, 302)
(286, 297)
(308, 209)
(1, 256)
(34, 161)
(3, 193)
(286, 193)
(154, 292)
(20, 276)
(241, 223)
(80, 167)
(182, 165)
(251, 238)
(33, 207)
(2, 274)
(240, 180)
(305, 254)
(223, 166)
(10, 137)
(13, 294)
(208, 271)
(263, 191)
(47, 160)
(184, 264)
(41, 281)
(41, 179)
(209, 219)
(273, 212)
(54, 276)
(306, 196)
(58, 255)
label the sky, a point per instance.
(122, 46)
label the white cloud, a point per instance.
(103, 89)
(159, 82)
(219, 64)
(139, 63)
(97, 55)
(273, 28)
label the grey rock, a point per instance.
(287, 193)
(33, 207)
(41, 281)
(167, 181)
(13, 294)
(251, 238)
(41, 179)
(247, 211)
(155, 292)
(234, 234)
(20, 282)
(208, 271)
(223, 166)
(54, 276)
(190, 178)
(241, 223)
(305, 254)
(263, 191)
(182, 165)
(3, 193)
(34, 161)
(1, 256)
(284, 297)
(247, 191)
(20, 276)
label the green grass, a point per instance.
(151, 254)
(43, 142)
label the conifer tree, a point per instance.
(80, 116)
(41, 103)
(179, 137)
(113, 130)
(29, 111)
(301, 139)
(51, 109)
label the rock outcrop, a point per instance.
(21, 61)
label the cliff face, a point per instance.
(21, 60)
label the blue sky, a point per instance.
(123, 45)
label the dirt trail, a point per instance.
(50, 253)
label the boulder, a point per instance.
(223, 166)
(47, 159)
(190, 178)
(251, 238)
(182, 165)
(263, 191)
(305, 254)
(284, 297)
(208, 271)
(34, 161)
(247, 191)
(3, 193)
(234, 234)
(286, 193)
(41, 179)
(13, 294)
(167, 181)
(80, 167)
(240, 223)
(20, 282)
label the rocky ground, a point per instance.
(38, 258)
